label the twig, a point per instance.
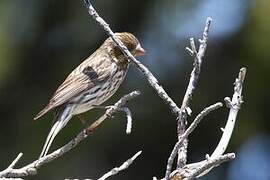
(235, 106)
(208, 164)
(199, 169)
(31, 169)
(15, 161)
(129, 119)
(182, 119)
(115, 170)
(151, 79)
(11, 166)
(191, 128)
(124, 166)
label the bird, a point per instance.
(90, 84)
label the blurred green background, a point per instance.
(42, 41)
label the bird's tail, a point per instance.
(61, 120)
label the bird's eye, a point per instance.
(130, 47)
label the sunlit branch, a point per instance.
(31, 169)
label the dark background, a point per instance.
(42, 41)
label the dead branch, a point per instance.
(116, 170)
(31, 169)
(193, 81)
(199, 169)
(185, 135)
(124, 166)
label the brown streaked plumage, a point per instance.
(91, 83)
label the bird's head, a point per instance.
(129, 40)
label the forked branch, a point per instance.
(193, 81)
(201, 168)
(185, 135)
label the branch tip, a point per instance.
(207, 156)
(209, 19)
(11, 166)
(124, 166)
(189, 111)
(137, 154)
(193, 45)
(228, 102)
(191, 53)
(242, 74)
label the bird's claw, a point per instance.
(109, 109)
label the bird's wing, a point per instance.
(84, 77)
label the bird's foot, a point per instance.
(108, 109)
(82, 118)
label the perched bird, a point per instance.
(91, 83)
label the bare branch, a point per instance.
(15, 161)
(201, 168)
(151, 79)
(191, 128)
(208, 164)
(182, 119)
(191, 53)
(191, 171)
(124, 166)
(234, 108)
(11, 166)
(234, 105)
(200, 116)
(193, 46)
(129, 119)
(31, 169)
(116, 170)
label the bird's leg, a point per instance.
(81, 118)
(100, 107)
(105, 107)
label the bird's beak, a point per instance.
(139, 51)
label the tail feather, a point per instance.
(61, 121)
(43, 111)
(54, 130)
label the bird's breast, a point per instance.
(101, 91)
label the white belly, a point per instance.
(105, 91)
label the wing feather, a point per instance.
(83, 78)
